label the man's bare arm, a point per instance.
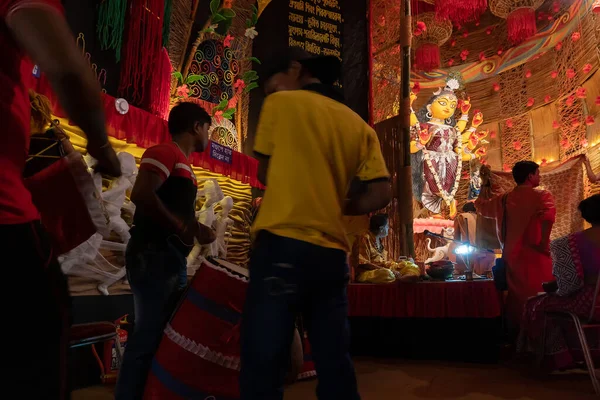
(371, 196)
(47, 39)
(263, 168)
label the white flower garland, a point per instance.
(448, 197)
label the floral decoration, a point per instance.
(555, 125)
(581, 93)
(589, 120)
(587, 68)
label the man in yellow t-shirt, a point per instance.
(310, 148)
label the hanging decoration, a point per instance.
(459, 11)
(596, 7)
(167, 22)
(142, 47)
(427, 45)
(159, 96)
(110, 26)
(520, 17)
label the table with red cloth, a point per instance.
(430, 319)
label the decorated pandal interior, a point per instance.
(491, 84)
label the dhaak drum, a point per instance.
(199, 355)
(70, 206)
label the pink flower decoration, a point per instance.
(571, 73)
(453, 43)
(465, 34)
(227, 41)
(575, 123)
(553, 74)
(496, 86)
(555, 6)
(488, 31)
(587, 68)
(416, 87)
(505, 167)
(421, 25)
(575, 36)
(500, 51)
(589, 120)
(218, 115)
(232, 102)
(464, 54)
(492, 134)
(598, 101)
(581, 93)
(565, 142)
(530, 102)
(558, 46)
(517, 145)
(528, 74)
(584, 143)
(239, 85)
(547, 98)
(570, 100)
(482, 56)
(182, 91)
(555, 125)
(450, 62)
(509, 123)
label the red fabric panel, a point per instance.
(477, 299)
(155, 390)
(147, 130)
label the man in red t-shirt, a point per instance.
(163, 232)
(37, 28)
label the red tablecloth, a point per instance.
(452, 299)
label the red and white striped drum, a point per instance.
(199, 355)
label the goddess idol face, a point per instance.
(443, 107)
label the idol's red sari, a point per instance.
(527, 267)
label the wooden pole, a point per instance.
(404, 185)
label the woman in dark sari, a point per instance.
(576, 266)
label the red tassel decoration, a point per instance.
(427, 57)
(596, 7)
(159, 97)
(521, 24)
(460, 11)
(141, 48)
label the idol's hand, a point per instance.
(465, 105)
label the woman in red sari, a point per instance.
(576, 265)
(530, 214)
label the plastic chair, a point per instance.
(95, 332)
(580, 326)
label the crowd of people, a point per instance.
(306, 138)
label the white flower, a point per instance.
(452, 84)
(251, 33)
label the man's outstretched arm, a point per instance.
(45, 36)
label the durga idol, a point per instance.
(437, 147)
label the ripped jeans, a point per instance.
(290, 277)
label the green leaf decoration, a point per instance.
(222, 105)
(228, 13)
(249, 76)
(254, 9)
(251, 86)
(249, 23)
(214, 6)
(178, 75)
(193, 78)
(216, 18)
(254, 59)
(229, 113)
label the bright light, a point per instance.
(464, 249)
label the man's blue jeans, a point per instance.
(288, 277)
(153, 272)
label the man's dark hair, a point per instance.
(469, 207)
(590, 209)
(184, 115)
(522, 170)
(378, 221)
